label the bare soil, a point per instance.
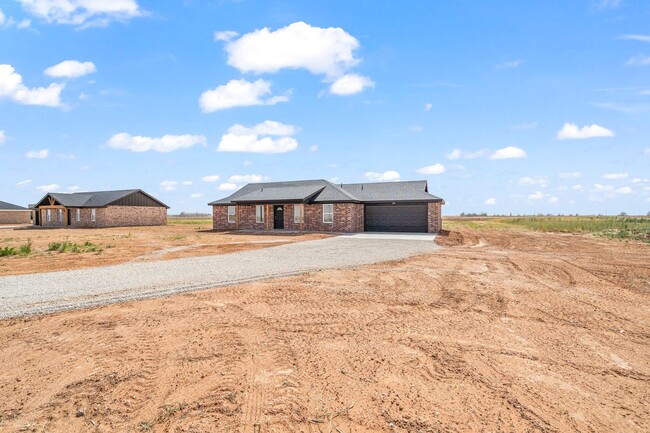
(125, 244)
(498, 332)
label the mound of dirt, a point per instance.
(449, 238)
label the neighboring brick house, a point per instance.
(319, 205)
(132, 207)
(14, 214)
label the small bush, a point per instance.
(65, 246)
(26, 248)
(8, 251)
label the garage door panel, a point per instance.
(396, 217)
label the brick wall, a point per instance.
(15, 217)
(435, 217)
(111, 216)
(348, 217)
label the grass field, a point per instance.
(199, 223)
(621, 227)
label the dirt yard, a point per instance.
(99, 247)
(499, 332)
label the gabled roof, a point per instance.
(8, 206)
(94, 198)
(322, 191)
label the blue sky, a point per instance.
(503, 106)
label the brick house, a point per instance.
(319, 205)
(14, 214)
(132, 207)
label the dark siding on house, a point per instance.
(136, 199)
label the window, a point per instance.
(93, 216)
(298, 213)
(328, 213)
(60, 215)
(259, 213)
(231, 215)
(78, 215)
(49, 215)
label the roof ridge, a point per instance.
(344, 192)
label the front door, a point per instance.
(278, 217)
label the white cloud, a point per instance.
(73, 188)
(511, 64)
(490, 201)
(428, 106)
(536, 196)
(313, 148)
(552, 199)
(10, 22)
(570, 175)
(432, 169)
(509, 152)
(168, 185)
(522, 126)
(3, 18)
(196, 195)
(624, 190)
(211, 178)
(186, 183)
(166, 143)
(390, 175)
(461, 154)
(534, 180)
(246, 178)
(570, 131)
(24, 182)
(238, 93)
(3, 137)
(350, 84)
(71, 69)
(639, 60)
(328, 51)
(225, 36)
(606, 4)
(614, 176)
(227, 186)
(38, 154)
(12, 87)
(48, 188)
(83, 13)
(259, 138)
(578, 187)
(646, 150)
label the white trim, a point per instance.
(233, 214)
(78, 216)
(93, 215)
(59, 215)
(49, 215)
(298, 212)
(331, 213)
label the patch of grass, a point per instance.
(189, 221)
(167, 411)
(8, 251)
(174, 237)
(65, 246)
(619, 227)
(24, 249)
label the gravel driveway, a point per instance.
(48, 292)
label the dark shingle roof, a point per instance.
(8, 206)
(93, 198)
(322, 191)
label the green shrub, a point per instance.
(26, 248)
(8, 251)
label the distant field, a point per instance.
(202, 223)
(623, 227)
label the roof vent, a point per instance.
(361, 187)
(261, 189)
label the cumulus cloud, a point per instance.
(536, 196)
(624, 190)
(534, 180)
(238, 93)
(52, 187)
(83, 13)
(24, 182)
(266, 137)
(490, 201)
(246, 178)
(166, 143)
(552, 199)
(432, 169)
(71, 69)
(12, 87)
(616, 176)
(639, 60)
(211, 178)
(350, 84)
(227, 186)
(225, 36)
(639, 38)
(168, 185)
(461, 154)
(570, 131)
(38, 154)
(509, 152)
(570, 175)
(10, 22)
(186, 183)
(3, 137)
(390, 175)
(328, 51)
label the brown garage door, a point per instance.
(396, 218)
